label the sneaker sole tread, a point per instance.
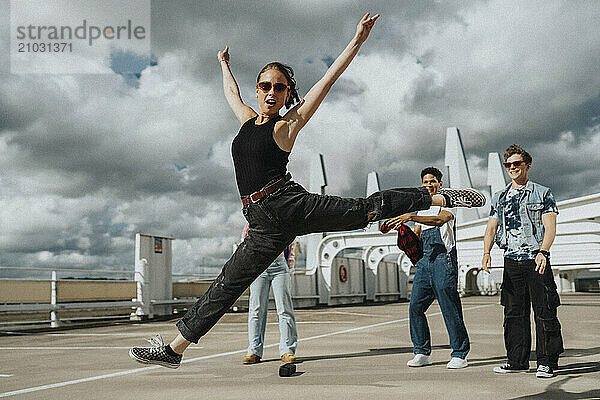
(469, 198)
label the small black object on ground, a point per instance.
(287, 370)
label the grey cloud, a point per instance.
(94, 158)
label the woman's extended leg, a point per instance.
(302, 212)
(250, 259)
(262, 245)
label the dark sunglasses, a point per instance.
(266, 86)
(515, 163)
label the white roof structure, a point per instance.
(576, 247)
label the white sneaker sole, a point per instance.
(541, 374)
(499, 370)
(417, 365)
(457, 366)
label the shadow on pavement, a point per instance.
(371, 352)
(581, 352)
(578, 368)
(479, 362)
(555, 392)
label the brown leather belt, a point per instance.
(267, 190)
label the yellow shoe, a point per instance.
(250, 359)
(288, 358)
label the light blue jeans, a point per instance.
(278, 275)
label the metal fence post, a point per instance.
(54, 320)
(142, 278)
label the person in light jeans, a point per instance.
(277, 275)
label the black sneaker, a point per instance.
(544, 371)
(510, 368)
(467, 198)
(157, 354)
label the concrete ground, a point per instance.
(357, 352)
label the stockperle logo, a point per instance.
(79, 36)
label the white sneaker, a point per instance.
(420, 360)
(457, 363)
(544, 371)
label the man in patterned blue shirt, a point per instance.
(523, 223)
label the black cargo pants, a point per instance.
(523, 287)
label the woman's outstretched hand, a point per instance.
(223, 55)
(364, 27)
(285, 134)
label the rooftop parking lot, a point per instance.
(357, 352)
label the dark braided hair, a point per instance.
(288, 72)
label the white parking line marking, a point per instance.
(355, 314)
(143, 369)
(57, 334)
(73, 382)
(75, 348)
(134, 334)
(5, 375)
(323, 322)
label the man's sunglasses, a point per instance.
(515, 163)
(266, 86)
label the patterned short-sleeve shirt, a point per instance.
(517, 247)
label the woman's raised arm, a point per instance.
(298, 116)
(232, 91)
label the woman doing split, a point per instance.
(276, 208)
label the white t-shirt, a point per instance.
(446, 230)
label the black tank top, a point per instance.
(256, 157)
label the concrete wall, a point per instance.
(85, 290)
(24, 291)
(190, 289)
(29, 291)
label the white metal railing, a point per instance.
(54, 306)
(99, 271)
(50, 270)
(206, 275)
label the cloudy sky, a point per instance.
(86, 161)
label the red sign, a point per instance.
(158, 245)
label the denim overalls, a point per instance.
(437, 278)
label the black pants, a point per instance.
(274, 222)
(522, 287)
